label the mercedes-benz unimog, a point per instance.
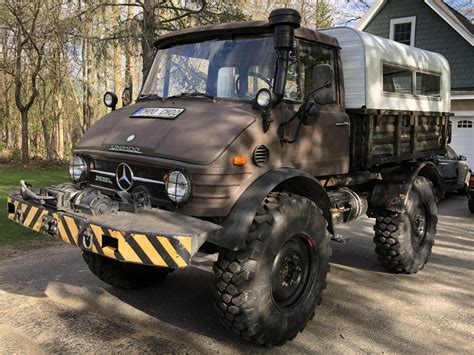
(253, 140)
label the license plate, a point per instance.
(157, 112)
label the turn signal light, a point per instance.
(239, 160)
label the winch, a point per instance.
(69, 197)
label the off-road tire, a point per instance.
(244, 295)
(124, 275)
(398, 246)
(470, 204)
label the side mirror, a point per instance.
(462, 158)
(311, 114)
(127, 96)
(323, 84)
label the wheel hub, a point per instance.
(291, 272)
(420, 223)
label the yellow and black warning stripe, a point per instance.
(143, 248)
(31, 216)
(132, 247)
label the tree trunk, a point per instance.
(130, 76)
(25, 157)
(85, 124)
(25, 152)
(150, 25)
(90, 80)
(117, 59)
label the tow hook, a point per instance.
(19, 215)
(87, 239)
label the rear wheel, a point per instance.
(403, 241)
(268, 291)
(124, 275)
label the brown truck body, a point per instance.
(172, 174)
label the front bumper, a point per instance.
(149, 237)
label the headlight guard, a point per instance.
(178, 186)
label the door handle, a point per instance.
(339, 124)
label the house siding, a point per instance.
(433, 34)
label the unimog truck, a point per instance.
(254, 140)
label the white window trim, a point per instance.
(397, 21)
(463, 115)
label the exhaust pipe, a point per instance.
(284, 22)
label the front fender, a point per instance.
(237, 224)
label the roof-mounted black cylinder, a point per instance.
(284, 21)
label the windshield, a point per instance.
(225, 68)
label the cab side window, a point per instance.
(312, 57)
(292, 88)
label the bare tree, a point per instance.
(28, 48)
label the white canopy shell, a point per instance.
(363, 56)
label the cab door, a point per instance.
(323, 147)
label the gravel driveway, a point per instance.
(50, 302)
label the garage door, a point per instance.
(463, 138)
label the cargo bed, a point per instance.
(385, 136)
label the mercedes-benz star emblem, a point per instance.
(130, 138)
(124, 177)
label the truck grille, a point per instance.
(156, 174)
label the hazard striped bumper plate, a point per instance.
(150, 237)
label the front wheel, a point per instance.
(267, 292)
(403, 241)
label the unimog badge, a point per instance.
(125, 149)
(157, 112)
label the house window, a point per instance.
(465, 124)
(403, 30)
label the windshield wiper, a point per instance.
(149, 96)
(192, 94)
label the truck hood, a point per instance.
(198, 135)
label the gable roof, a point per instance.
(457, 21)
(464, 20)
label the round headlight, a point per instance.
(110, 99)
(178, 186)
(77, 168)
(264, 98)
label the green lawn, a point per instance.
(10, 232)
